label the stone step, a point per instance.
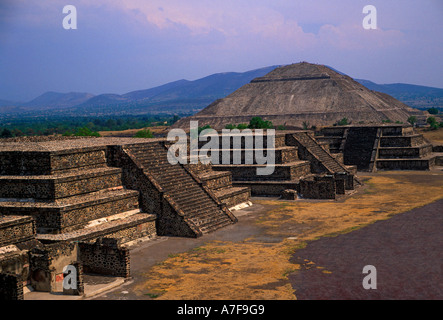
(127, 228)
(51, 162)
(268, 188)
(216, 179)
(246, 140)
(425, 163)
(288, 171)
(182, 188)
(194, 201)
(402, 141)
(404, 152)
(210, 218)
(185, 195)
(59, 185)
(16, 229)
(204, 212)
(74, 212)
(281, 155)
(213, 226)
(233, 196)
(178, 184)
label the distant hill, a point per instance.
(177, 96)
(188, 97)
(58, 100)
(416, 96)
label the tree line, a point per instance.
(81, 126)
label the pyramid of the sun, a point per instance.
(302, 92)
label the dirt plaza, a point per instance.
(286, 249)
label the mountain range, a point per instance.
(188, 97)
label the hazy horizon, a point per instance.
(120, 47)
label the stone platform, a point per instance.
(380, 147)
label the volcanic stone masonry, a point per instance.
(82, 202)
(381, 147)
(79, 201)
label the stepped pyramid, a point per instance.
(382, 147)
(301, 164)
(82, 202)
(302, 92)
(70, 191)
(83, 189)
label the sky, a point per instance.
(122, 46)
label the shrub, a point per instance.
(200, 129)
(343, 122)
(412, 120)
(230, 126)
(86, 132)
(144, 133)
(433, 110)
(259, 123)
(242, 126)
(6, 133)
(432, 123)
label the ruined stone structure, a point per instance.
(79, 201)
(301, 164)
(382, 147)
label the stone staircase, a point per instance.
(187, 196)
(359, 147)
(308, 145)
(220, 183)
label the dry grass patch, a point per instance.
(254, 269)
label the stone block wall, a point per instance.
(46, 163)
(409, 152)
(65, 218)
(173, 224)
(218, 181)
(11, 287)
(54, 187)
(135, 231)
(404, 141)
(15, 229)
(105, 257)
(16, 262)
(85, 159)
(318, 187)
(233, 198)
(47, 263)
